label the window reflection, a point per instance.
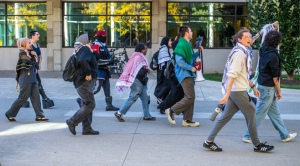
(124, 22)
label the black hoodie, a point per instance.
(269, 66)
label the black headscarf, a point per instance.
(165, 41)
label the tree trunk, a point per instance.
(290, 75)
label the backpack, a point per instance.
(71, 69)
(154, 61)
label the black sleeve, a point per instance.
(274, 65)
(97, 55)
(84, 60)
(142, 71)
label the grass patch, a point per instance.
(290, 86)
(296, 77)
(213, 77)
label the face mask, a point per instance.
(102, 39)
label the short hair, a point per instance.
(273, 38)
(139, 47)
(238, 35)
(32, 33)
(183, 29)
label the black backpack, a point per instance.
(154, 61)
(71, 69)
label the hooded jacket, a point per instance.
(269, 65)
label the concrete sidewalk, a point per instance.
(136, 142)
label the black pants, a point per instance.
(175, 95)
(163, 86)
(41, 89)
(104, 83)
(85, 113)
(27, 90)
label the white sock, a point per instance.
(119, 112)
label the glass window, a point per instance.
(20, 26)
(124, 22)
(85, 8)
(2, 31)
(242, 22)
(128, 30)
(26, 9)
(178, 8)
(78, 25)
(212, 8)
(128, 8)
(215, 22)
(17, 20)
(242, 9)
(2, 8)
(174, 23)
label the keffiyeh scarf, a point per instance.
(135, 63)
(238, 47)
(163, 55)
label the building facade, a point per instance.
(126, 23)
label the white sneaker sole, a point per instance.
(289, 138)
(247, 141)
(196, 124)
(173, 122)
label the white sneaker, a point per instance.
(291, 136)
(188, 123)
(170, 115)
(247, 140)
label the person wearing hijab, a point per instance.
(26, 71)
(84, 84)
(163, 86)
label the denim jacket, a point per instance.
(182, 68)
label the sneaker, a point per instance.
(262, 147)
(188, 123)
(119, 117)
(291, 136)
(170, 115)
(247, 140)
(212, 146)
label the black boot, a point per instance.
(47, 103)
(26, 104)
(109, 106)
(89, 131)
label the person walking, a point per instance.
(135, 76)
(103, 72)
(35, 37)
(84, 84)
(26, 71)
(163, 85)
(235, 83)
(185, 73)
(269, 87)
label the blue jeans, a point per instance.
(267, 104)
(137, 90)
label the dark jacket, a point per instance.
(26, 69)
(104, 56)
(142, 76)
(269, 65)
(87, 64)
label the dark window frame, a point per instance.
(7, 15)
(106, 2)
(189, 16)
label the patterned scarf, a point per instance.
(133, 66)
(163, 55)
(238, 47)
